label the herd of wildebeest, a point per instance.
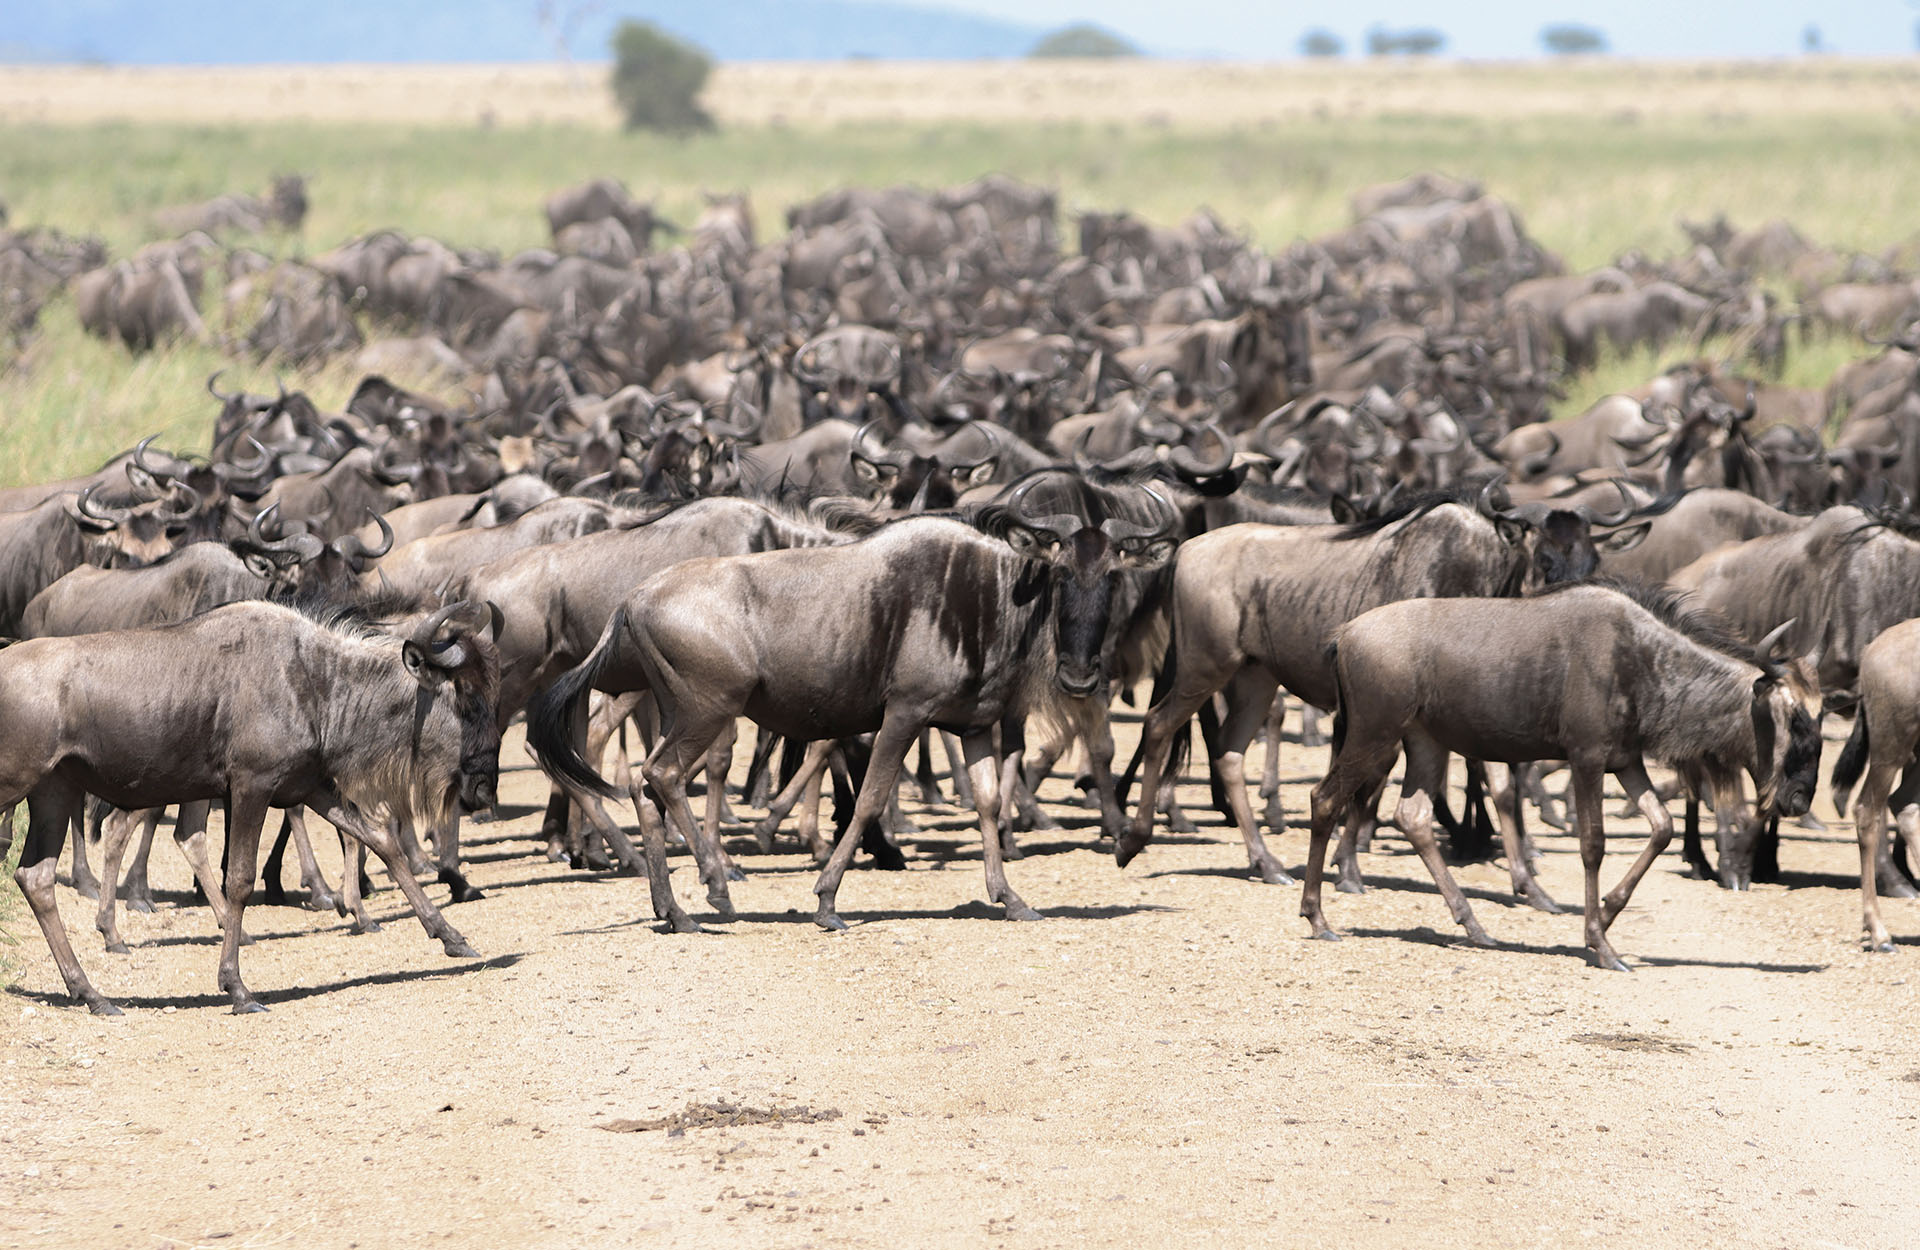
(914, 476)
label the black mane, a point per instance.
(1669, 607)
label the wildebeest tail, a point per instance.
(1852, 761)
(552, 715)
(1339, 699)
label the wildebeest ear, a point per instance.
(1343, 509)
(497, 620)
(1512, 531)
(980, 474)
(1148, 555)
(259, 565)
(873, 474)
(1626, 538)
(422, 669)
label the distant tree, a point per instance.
(1319, 43)
(657, 79)
(1422, 41)
(1571, 39)
(1084, 39)
(1811, 41)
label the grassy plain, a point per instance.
(1597, 156)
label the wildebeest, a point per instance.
(1603, 677)
(931, 622)
(263, 707)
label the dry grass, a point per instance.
(1188, 94)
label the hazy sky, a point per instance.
(1489, 28)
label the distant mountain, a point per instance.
(241, 32)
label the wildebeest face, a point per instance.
(452, 655)
(1086, 573)
(1787, 702)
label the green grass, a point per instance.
(1588, 187)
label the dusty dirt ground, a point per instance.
(1165, 1060)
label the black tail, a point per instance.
(1852, 761)
(1339, 701)
(1162, 687)
(552, 714)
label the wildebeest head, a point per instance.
(139, 535)
(905, 480)
(1560, 541)
(1786, 732)
(455, 646)
(1090, 537)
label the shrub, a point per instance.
(1321, 44)
(1084, 39)
(1569, 39)
(657, 79)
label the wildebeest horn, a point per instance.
(451, 650)
(1263, 432)
(189, 503)
(1611, 518)
(866, 447)
(95, 515)
(140, 460)
(388, 469)
(215, 377)
(1770, 648)
(1119, 531)
(302, 547)
(987, 436)
(1062, 525)
(1376, 431)
(349, 547)
(259, 463)
(1494, 503)
(1191, 465)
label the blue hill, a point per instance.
(222, 32)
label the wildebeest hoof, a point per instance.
(830, 922)
(457, 948)
(87, 890)
(101, 1007)
(1180, 822)
(1478, 937)
(466, 894)
(1011, 850)
(721, 904)
(274, 896)
(887, 858)
(1327, 935)
(360, 927)
(763, 837)
(734, 873)
(1809, 821)
(1610, 961)
(246, 939)
(680, 922)
(247, 1007)
(1017, 909)
(1124, 851)
(1880, 948)
(142, 904)
(1273, 874)
(1350, 885)
(1896, 885)
(1539, 901)
(117, 948)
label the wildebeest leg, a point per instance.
(666, 770)
(1034, 769)
(808, 826)
(1642, 794)
(1588, 813)
(1471, 836)
(312, 880)
(115, 830)
(1550, 814)
(416, 857)
(190, 835)
(1870, 827)
(760, 768)
(446, 853)
(883, 774)
(49, 812)
(1164, 720)
(246, 813)
(1249, 696)
(1270, 775)
(1356, 836)
(718, 763)
(274, 891)
(990, 777)
(353, 900)
(1426, 775)
(808, 776)
(924, 780)
(1358, 771)
(1894, 883)
(85, 884)
(1311, 735)
(134, 891)
(1503, 789)
(1099, 744)
(553, 827)
(1766, 851)
(957, 768)
(381, 841)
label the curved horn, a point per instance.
(1494, 503)
(450, 651)
(140, 460)
(1611, 518)
(1769, 648)
(261, 461)
(215, 377)
(188, 505)
(1191, 465)
(865, 447)
(301, 547)
(356, 553)
(1062, 525)
(100, 516)
(389, 470)
(1119, 531)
